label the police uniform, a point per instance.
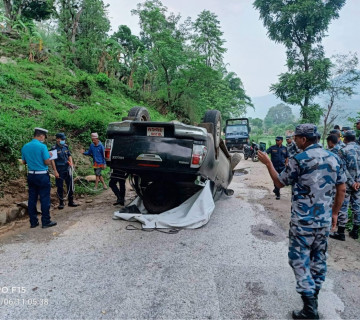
(336, 149)
(63, 169)
(278, 158)
(292, 149)
(34, 154)
(118, 176)
(350, 155)
(313, 175)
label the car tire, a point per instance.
(160, 196)
(139, 113)
(214, 117)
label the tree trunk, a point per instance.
(8, 14)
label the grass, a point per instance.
(51, 96)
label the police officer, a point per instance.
(37, 157)
(351, 157)
(118, 176)
(61, 166)
(333, 144)
(318, 191)
(338, 134)
(291, 147)
(279, 158)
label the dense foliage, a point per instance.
(66, 72)
(301, 26)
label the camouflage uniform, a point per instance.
(313, 175)
(350, 154)
(336, 149)
(341, 144)
(292, 149)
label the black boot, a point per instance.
(339, 235)
(72, 203)
(309, 310)
(354, 233)
(120, 201)
(61, 205)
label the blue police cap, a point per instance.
(306, 130)
(350, 133)
(279, 138)
(60, 135)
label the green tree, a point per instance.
(345, 76)
(301, 26)
(92, 34)
(280, 114)
(208, 39)
(131, 47)
(83, 25)
(27, 10)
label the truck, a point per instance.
(237, 132)
(168, 162)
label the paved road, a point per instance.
(90, 267)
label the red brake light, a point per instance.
(196, 159)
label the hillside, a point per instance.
(47, 94)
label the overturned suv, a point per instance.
(168, 162)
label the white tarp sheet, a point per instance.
(191, 214)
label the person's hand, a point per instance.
(50, 154)
(355, 186)
(334, 223)
(263, 157)
(57, 176)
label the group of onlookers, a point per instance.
(344, 144)
(37, 158)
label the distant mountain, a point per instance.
(346, 108)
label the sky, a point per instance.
(250, 54)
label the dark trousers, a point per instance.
(39, 185)
(119, 192)
(276, 189)
(64, 176)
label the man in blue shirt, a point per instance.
(279, 158)
(62, 166)
(97, 152)
(36, 155)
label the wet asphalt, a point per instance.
(91, 267)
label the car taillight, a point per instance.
(108, 147)
(198, 156)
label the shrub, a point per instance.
(102, 80)
(38, 93)
(84, 87)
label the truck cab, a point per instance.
(237, 132)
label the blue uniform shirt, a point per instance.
(63, 154)
(34, 153)
(278, 156)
